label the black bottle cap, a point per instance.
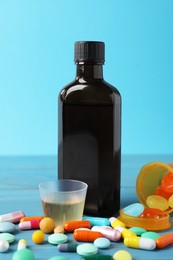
(89, 52)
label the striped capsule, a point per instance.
(110, 233)
(29, 218)
(67, 247)
(164, 241)
(70, 226)
(140, 242)
(21, 244)
(33, 224)
(86, 235)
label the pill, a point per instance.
(134, 209)
(170, 202)
(29, 218)
(150, 234)
(87, 249)
(7, 236)
(13, 217)
(7, 227)
(167, 182)
(31, 224)
(21, 244)
(137, 230)
(4, 246)
(110, 233)
(59, 229)
(116, 222)
(38, 237)
(102, 242)
(158, 202)
(23, 254)
(67, 247)
(47, 225)
(97, 257)
(56, 239)
(125, 232)
(59, 258)
(86, 235)
(122, 255)
(97, 221)
(152, 213)
(162, 192)
(140, 242)
(164, 241)
(70, 226)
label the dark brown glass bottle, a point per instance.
(89, 131)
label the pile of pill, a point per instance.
(163, 196)
(90, 235)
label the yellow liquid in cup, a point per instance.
(63, 212)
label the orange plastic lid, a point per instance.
(149, 178)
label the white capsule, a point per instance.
(140, 242)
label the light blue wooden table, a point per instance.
(19, 180)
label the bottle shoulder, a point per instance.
(98, 91)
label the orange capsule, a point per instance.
(86, 235)
(70, 226)
(30, 218)
(164, 241)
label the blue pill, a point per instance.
(102, 242)
(7, 227)
(134, 209)
(96, 221)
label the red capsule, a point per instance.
(159, 191)
(152, 213)
(32, 224)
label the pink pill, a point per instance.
(110, 233)
(13, 217)
(32, 224)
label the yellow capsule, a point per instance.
(21, 244)
(115, 222)
(140, 242)
(125, 232)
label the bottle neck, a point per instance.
(88, 72)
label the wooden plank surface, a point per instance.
(19, 180)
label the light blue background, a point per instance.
(36, 61)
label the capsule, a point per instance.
(164, 241)
(31, 218)
(140, 242)
(67, 247)
(13, 217)
(33, 224)
(70, 226)
(116, 222)
(21, 244)
(86, 235)
(96, 221)
(125, 232)
(110, 233)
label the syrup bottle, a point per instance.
(89, 131)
